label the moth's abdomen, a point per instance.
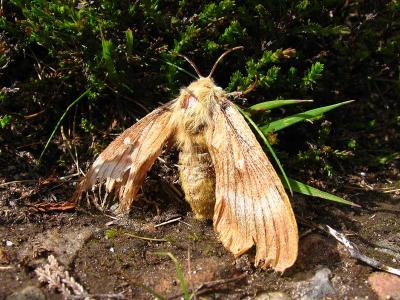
(198, 182)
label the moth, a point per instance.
(224, 172)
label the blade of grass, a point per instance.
(288, 121)
(264, 139)
(107, 46)
(305, 189)
(388, 158)
(106, 50)
(179, 68)
(178, 272)
(60, 120)
(145, 238)
(268, 105)
(129, 41)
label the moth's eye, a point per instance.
(189, 101)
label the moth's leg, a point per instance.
(198, 182)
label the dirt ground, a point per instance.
(118, 258)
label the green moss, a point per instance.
(111, 233)
(193, 237)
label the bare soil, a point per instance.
(111, 256)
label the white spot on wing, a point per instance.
(127, 141)
(240, 164)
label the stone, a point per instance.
(320, 285)
(272, 296)
(64, 244)
(385, 285)
(317, 287)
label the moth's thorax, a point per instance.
(193, 112)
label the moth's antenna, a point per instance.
(221, 57)
(191, 63)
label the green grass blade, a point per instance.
(106, 46)
(129, 41)
(305, 189)
(178, 272)
(60, 120)
(106, 51)
(268, 105)
(266, 143)
(288, 121)
(385, 159)
(179, 68)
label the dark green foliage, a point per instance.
(311, 76)
(5, 120)
(123, 52)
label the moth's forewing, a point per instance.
(252, 206)
(123, 165)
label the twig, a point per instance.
(355, 253)
(168, 222)
(391, 191)
(187, 224)
(30, 144)
(63, 178)
(6, 267)
(112, 217)
(94, 296)
(18, 181)
(34, 115)
(70, 176)
(307, 232)
(145, 238)
(351, 247)
(161, 160)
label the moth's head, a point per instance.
(201, 91)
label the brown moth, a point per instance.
(224, 172)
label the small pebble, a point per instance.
(385, 285)
(320, 285)
(317, 287)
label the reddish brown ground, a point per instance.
(105, 259)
